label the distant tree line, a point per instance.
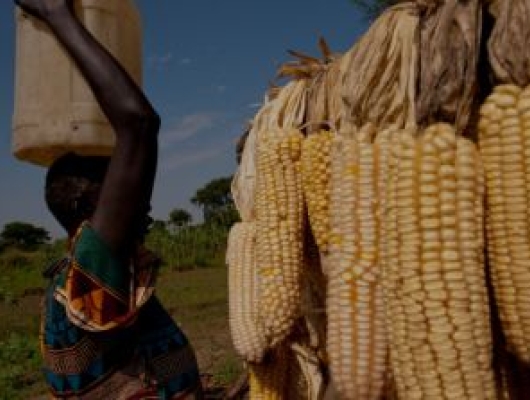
(23, 235)
(214, 200)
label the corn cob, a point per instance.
(357, 345)
(400, 353)
(269, 379)
(383, 142)
(280, 221)
(244, 181)
(246, 333)
(437, 306)
(504, 139)
(315, 180)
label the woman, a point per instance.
(104, 333)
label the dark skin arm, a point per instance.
(125, 196)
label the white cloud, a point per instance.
(191, 158)
(160, 61)
(221, 88)
(187, 127)
(185, 61)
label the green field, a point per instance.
(195, 295)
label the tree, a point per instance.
(23, 235)
(179, 218)
(158, 225)
(215, 200)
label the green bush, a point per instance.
(13, 258)
(20, 360)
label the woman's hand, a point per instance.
(44, 9)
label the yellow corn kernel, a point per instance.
(246, 332)
(433, 278)
(315, 180)
(280, 230)
(504, 141)
(357, 346)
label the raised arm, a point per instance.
(126, 192)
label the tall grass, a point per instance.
(21, 270)
(190, 247)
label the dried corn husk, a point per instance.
(307, 380)
(509, 43)
(317, 116)
(449, 50)
(324, 98)
(379, 73)
(288, 109)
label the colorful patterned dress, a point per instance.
(104, 333)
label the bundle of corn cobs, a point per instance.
(384, 244)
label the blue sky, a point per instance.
(207, 64)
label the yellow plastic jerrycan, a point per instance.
(55, 111)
